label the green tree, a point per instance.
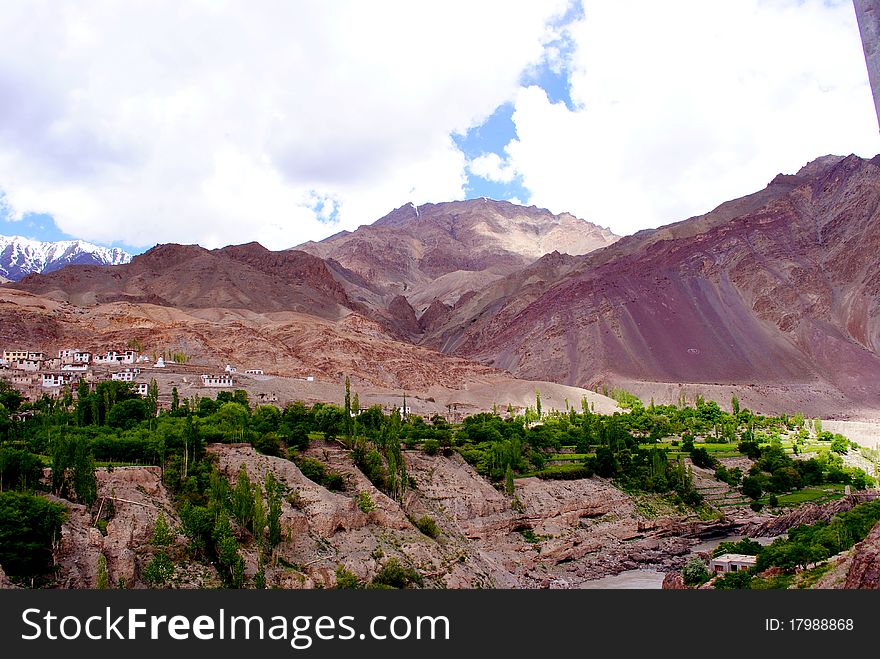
(734, 404)
(751, 487)
(695, 572)
(128, 413)
(273, 497)
(28, 526)
(261, 518)
(840, 444)
(330, 420)
(85, 483)
(347, 408)
(153, 397)
(162, 535)
(103, 579)
(538, 402)
(159, 570)
(509, 485)
(175, 400)
(243, 500)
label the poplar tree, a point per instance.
(103, 577)
(273, 497)
(347, 408)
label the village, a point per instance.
(36, 374)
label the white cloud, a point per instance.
(491, 167)
(222, 122)
(682, 105)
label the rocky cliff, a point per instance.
(549, 534)
(864, 570)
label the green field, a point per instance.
(816, 495)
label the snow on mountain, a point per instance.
(21, 256)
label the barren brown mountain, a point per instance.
(776, 292)
(773, 297)
(188, 276)
(439, 251)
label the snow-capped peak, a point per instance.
(22, 256)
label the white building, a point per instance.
(74, 356)
(254, 371)
(22, 378)
(732, 563)
(79, 368)
(29, 365)
(230, 368)
(14, 355)
(117, 357)
(128, 375)
(143, 388)
(160, 362)
(36, 356)
(55, 379)
(224, 380)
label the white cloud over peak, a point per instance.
(221, 122)
(679, 106)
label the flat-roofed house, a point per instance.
(732, 563)
(222, 380)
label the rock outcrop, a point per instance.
(673, 581)
(5, 583)
(864, 570)
(549, 534)
(130, 500)
(806, 514)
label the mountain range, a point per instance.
(772, 297)
(20, 257)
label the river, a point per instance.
(647, 579)
(637, 579)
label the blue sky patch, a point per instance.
(40, 226)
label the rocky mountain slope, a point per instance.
(779, 288)
(20, 257)
(772, 297)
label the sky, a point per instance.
(221, 122)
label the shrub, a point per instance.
(565, 475)
(740, 580)
(347, 579)
(751, 487)
(365, 502)
(431, 447)
(695, 572)
(162, 534)
(701, 458)
(428, 526)
(159, 570)
(335, 482)
(395, 575)
(268, 444)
